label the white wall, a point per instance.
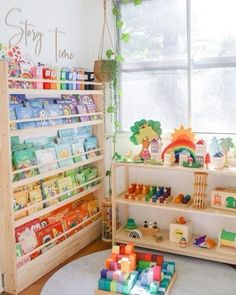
(69, 16)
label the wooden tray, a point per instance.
(168, 291)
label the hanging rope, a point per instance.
(104, 27)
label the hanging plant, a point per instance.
(106, 69)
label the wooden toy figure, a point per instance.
(143, 133)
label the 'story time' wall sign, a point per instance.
(25, 32)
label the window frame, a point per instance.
(189, 65)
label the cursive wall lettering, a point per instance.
(26, 32)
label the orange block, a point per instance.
(129, 249)
(132, 258)
(114, 257)
(107, 262)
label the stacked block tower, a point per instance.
(129, 272)
(199, 193)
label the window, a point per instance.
(180, 64)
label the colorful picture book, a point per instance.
(82, 110)
(24, 159)
(78, 149)
(88, 102)
(46, 156)
(24, 113)
(89, 145)
(50, 190)
(45, 235)
(64, 151)
(53, 110)
(35, 196)
(65, 184)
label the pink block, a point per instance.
(113, 266)
(157, 273)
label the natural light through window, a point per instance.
(175, 79)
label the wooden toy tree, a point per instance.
(226, 144)
(143, 133)
(199, 193)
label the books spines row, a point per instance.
(42, 230)
(24, 70)
(47, 108)
(48, 188)
(43, 150)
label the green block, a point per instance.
(154, 287)
(113, 286)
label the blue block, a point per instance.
(119, 288)
(107, 285)
(101, 284)
(104, 273)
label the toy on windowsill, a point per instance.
(144, 132)
(207, 160)
(226, 144)
(191, 164)
(204, 242)
(183, 200)
(218, 161)
(149, 228)
(200, 151)
(227, 242)
(182, 141)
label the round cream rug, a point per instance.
(194, 276)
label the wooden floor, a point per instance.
(35, 289)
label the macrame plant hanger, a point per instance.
(104, 27)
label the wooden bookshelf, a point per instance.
(121, 236)
(15, 280)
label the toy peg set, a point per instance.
(149, 193)
(129, 272)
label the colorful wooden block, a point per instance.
(116, 249)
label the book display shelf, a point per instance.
(162, 239)
(57, 194)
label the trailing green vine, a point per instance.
(114, 84)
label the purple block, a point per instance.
(104, 273)
(121, 277)
(110, 274)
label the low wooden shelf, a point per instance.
(171, 206)
(121, 236)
